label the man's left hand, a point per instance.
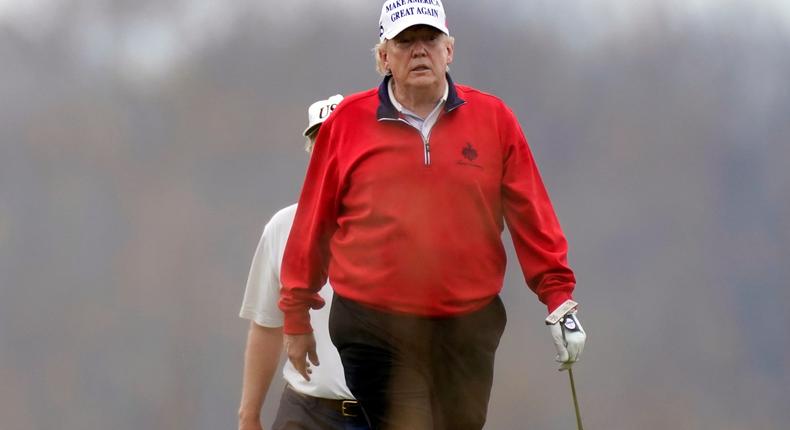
(569, 338)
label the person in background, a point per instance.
(322, 401)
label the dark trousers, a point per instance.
(301, 412)
(415, 373)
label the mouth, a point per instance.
(420, 68)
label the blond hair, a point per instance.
(310, 141)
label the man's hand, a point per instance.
(569, 339)
(298, 347)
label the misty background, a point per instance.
(144, 145)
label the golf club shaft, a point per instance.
(575, 401)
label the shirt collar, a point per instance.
(388, 110)
(400, 108)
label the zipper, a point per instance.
(427, 153)
(426, 145)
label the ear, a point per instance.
(450, 49)
(382, 53)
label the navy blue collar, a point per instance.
(387, 110)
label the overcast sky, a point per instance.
(36, 17)
(151, 38)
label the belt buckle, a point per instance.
(346, 406)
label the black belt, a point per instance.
(346, 408)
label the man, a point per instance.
(322, 401)
(403, 208)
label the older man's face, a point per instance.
(418, 57)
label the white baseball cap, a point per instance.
(319, 111)
(398, 15)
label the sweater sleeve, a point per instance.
(306, 258)
(540, 244)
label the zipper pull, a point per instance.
(427, 153)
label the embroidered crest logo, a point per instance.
(469, 152)
(470, 155)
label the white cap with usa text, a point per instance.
(398, 15)
(319, 111)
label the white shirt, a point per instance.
(260, 305)
(424, 126)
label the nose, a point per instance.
(418, 49)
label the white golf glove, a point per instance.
(568, 334)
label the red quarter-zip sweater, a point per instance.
(414, 226)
